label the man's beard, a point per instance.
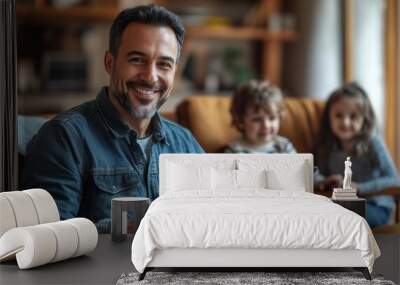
(140, 111)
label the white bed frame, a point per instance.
(234, 257)
(252, 258)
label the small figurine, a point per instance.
(347, 174)
(347, 192)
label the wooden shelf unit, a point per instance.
(51, 15)
(54, 16)
(239, 33)
(272, 42)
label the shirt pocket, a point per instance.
(116, 181)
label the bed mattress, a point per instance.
(250, 219)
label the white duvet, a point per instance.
(254, 218)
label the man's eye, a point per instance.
(353, 116)
(338, 115)
(165, 65)
(136, 60)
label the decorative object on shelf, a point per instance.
(123, 4)
(274, 23)
(347, 192)
(27, 79)
(65, 3)
(31, 231)
(126, 214)
(278, 22)
(65, 71)
(347, 174)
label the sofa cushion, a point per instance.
(301, 122)
(208, 118)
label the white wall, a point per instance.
(313, 63)
(369, 51)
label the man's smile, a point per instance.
(144, 94)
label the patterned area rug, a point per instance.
(230, 278)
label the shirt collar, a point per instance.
(117, 126)
(158, 129)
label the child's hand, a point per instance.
(331, 182)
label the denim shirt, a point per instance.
(86, 156)
(373, 171)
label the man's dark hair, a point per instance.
(146, 14)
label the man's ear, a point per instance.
(108, 62)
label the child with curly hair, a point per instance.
(257, 111)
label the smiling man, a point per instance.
(110, 147)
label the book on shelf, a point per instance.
(344, 196)
(340, 193)
(340, 190)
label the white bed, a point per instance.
(244, 210)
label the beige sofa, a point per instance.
(209, 120)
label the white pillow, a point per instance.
(282, 173)
(251, 178)
(224, 179)
(227, 179)
(290, 180)
(182, 177)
